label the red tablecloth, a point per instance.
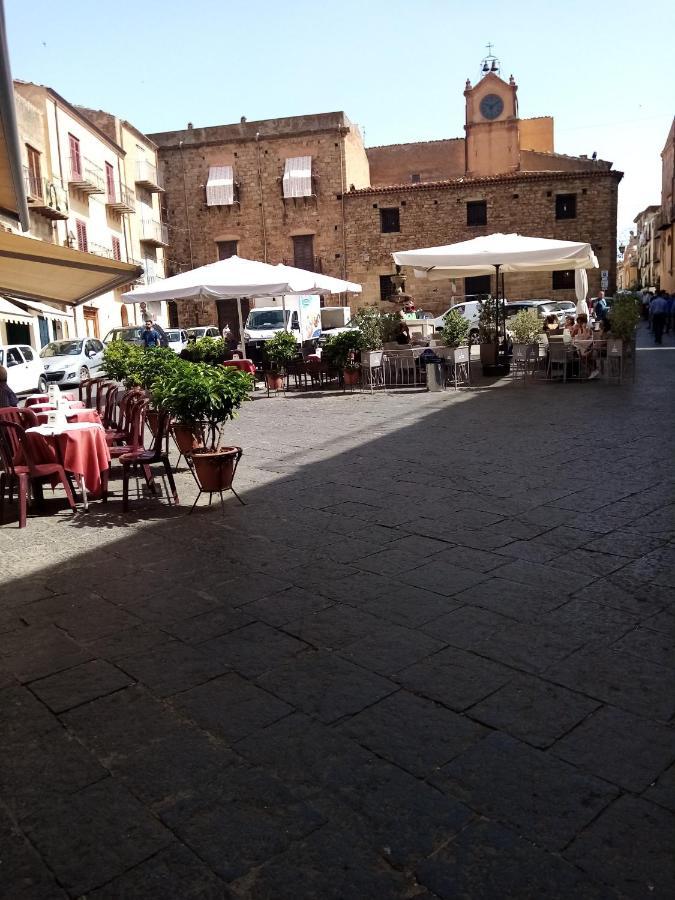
(80, 448)
(32, 399)
(244, 365)
(45, 407)
(72, 415)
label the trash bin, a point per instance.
(435, 376)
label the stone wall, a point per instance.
(432, 215)
(430, 160)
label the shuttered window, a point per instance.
(82, 243)
(303, 252)
(117, 249)
(226, 249)
(110, 181)
(34, 174)
(476, 212)
(390, 221)
(75, 157)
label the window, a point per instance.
(479, 284)
(297, 180)
(226, 249)
(110, 181)
(34, 179)
(565, 206)
(82, 243)
(75, 158)
(563, 281)
(14, 358)
(476, 212)
(303, 252)
(387, 289)
(415, 178)
(390, 220)
(117, 249)
(220, 186)
(28, 354)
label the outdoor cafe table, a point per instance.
(32, 399)
(72, 415)
(80, 448)
(244, 365)
(46, 406)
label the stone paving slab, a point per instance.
(427, 659)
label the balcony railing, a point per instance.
(154, 233)
(317, 265)
(100, 250)
(121, 199)
(148, 176)
(86, 176)
(49, 198)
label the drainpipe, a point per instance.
(343, 176)
(58, 150)
(187, 212)
(262, 199)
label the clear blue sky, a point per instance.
(603, 69)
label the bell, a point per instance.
(494, 67)
(486, 68)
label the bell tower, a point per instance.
(491, 145)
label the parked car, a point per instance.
(177, 338)
(25, 372)
(203, 331)
(470, 309)
(72, 361)
(132, 335)
(542, 307)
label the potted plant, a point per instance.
(203, 398)
(340, 352)
(455, 328)
(487, 332)
(525, 328)
(279, 352)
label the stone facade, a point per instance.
(667, 224)
(508, 163)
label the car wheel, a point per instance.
(42, 385)
(84, 373)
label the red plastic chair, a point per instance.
(12, 440)
(147, 458)
(25, 417)
(38, 398)
(109, 416)
(121, 432)
(136, 430)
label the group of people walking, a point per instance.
(659, 310)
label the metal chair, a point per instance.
(557, 360)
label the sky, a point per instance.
(602, 69)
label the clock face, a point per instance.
(491, 106)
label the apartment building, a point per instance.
(92, 184)
(649, 247)
(667, 219)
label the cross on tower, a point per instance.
(489, 47)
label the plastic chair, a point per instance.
(147, 458)
(134, 441)
(121, 432)
(38, 398)
(109, 416)
(12, 441)
(557, 359)
(25, 417)
(86, 388)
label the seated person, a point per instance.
(605, 329)
(552, 325)
(402, 334)
(568, 329)
(7, 395)
(583, 344)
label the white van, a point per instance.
(470, 309)
(25, 369)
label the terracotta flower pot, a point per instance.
(215, 468)
(274, 381)
(351, 376)
(186, 438)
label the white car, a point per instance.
(470, 310)
(177, 338)
(203, 331)
(72, 361)
(25, 372)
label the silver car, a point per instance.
(70, 362)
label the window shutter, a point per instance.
(303, 252)
(110, 181)
(82, 236)
(116, 249)
(75, 160)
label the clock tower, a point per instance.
(491, 145)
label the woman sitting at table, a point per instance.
(551, 325)
(7, 395)
(583, 344)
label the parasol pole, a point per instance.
(242, 342)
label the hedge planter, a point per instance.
(215, 470)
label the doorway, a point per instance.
(90, 321)
(18, 333)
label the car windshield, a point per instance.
(62, 348)
(266, 318)
(196, 332)
(124, 334)
(173, 335)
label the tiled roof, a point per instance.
(486, 179)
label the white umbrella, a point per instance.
(581, 289)
(234, 278)
(508, 252)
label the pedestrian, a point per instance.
(7, 395)
(227, 333)
(670, 323)
(658, 310)
(600, 308)
(150, 336)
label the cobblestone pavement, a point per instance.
(432, 657)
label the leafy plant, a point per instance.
(340, 349)
(202, 396)
(148, 364)
(368, 320)
(208, 350)
(118, 359)
(455, 328)
(525, 326)
(624, 316)
(280, 350)
(487, 320)
(389, 322)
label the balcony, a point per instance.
(317, 265)
(48, 198)
(86, 176)
(155, 234)
(122, 200)
(148, 176)
(99, 250)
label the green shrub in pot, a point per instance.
(119, 358)
(455, 328)
(280, 351)
(525, 327)
(340, 350)
(624, 316)
(208, 350)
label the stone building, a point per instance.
(649, 247)
(627, 276)
(667, 220)
(305, 190)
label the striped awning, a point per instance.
(220, 186)
(298, 177)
